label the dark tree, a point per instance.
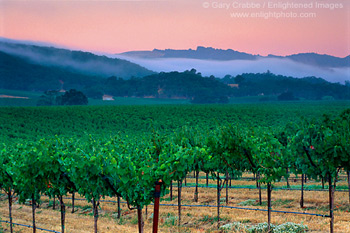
(286, 96)
(94, 92)
(205, 98)
(239, 79)
(48, 99)
(72, 97)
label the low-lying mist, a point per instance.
(119, 68)
(93, 67)
(285, 67)
(82, 62)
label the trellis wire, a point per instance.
(228, 207)
(23, 225)
(175, 205)
(290, 189)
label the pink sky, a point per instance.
(115, 26)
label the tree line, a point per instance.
(20, 74)
(192, 85)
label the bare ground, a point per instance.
(194, 219)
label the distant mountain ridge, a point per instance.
(321, 60)
(200, 53)
(209, 53)
(84, 63)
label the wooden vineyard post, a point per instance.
(226, 180)
(218, 198)
(331, 203)
(269, 206)
(10, 208)
(63, 213)
(171, 190)
(118, 200)
(95, 205)
(348, 172)
(156, 206)
(140, 219)
(302, 192)
(258, 185)
(33, 213)
(73, 197)
(322, 183)
(219, 187)
(179, 186)
(196, 188)
(207, 178)
(260, 198)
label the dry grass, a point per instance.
(194, 219)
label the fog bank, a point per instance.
(277, 66)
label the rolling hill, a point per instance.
(84, 63)
(18, 73)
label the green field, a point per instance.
(24, 123)
(33, 98)
(100, 151)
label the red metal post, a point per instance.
(156, 206)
